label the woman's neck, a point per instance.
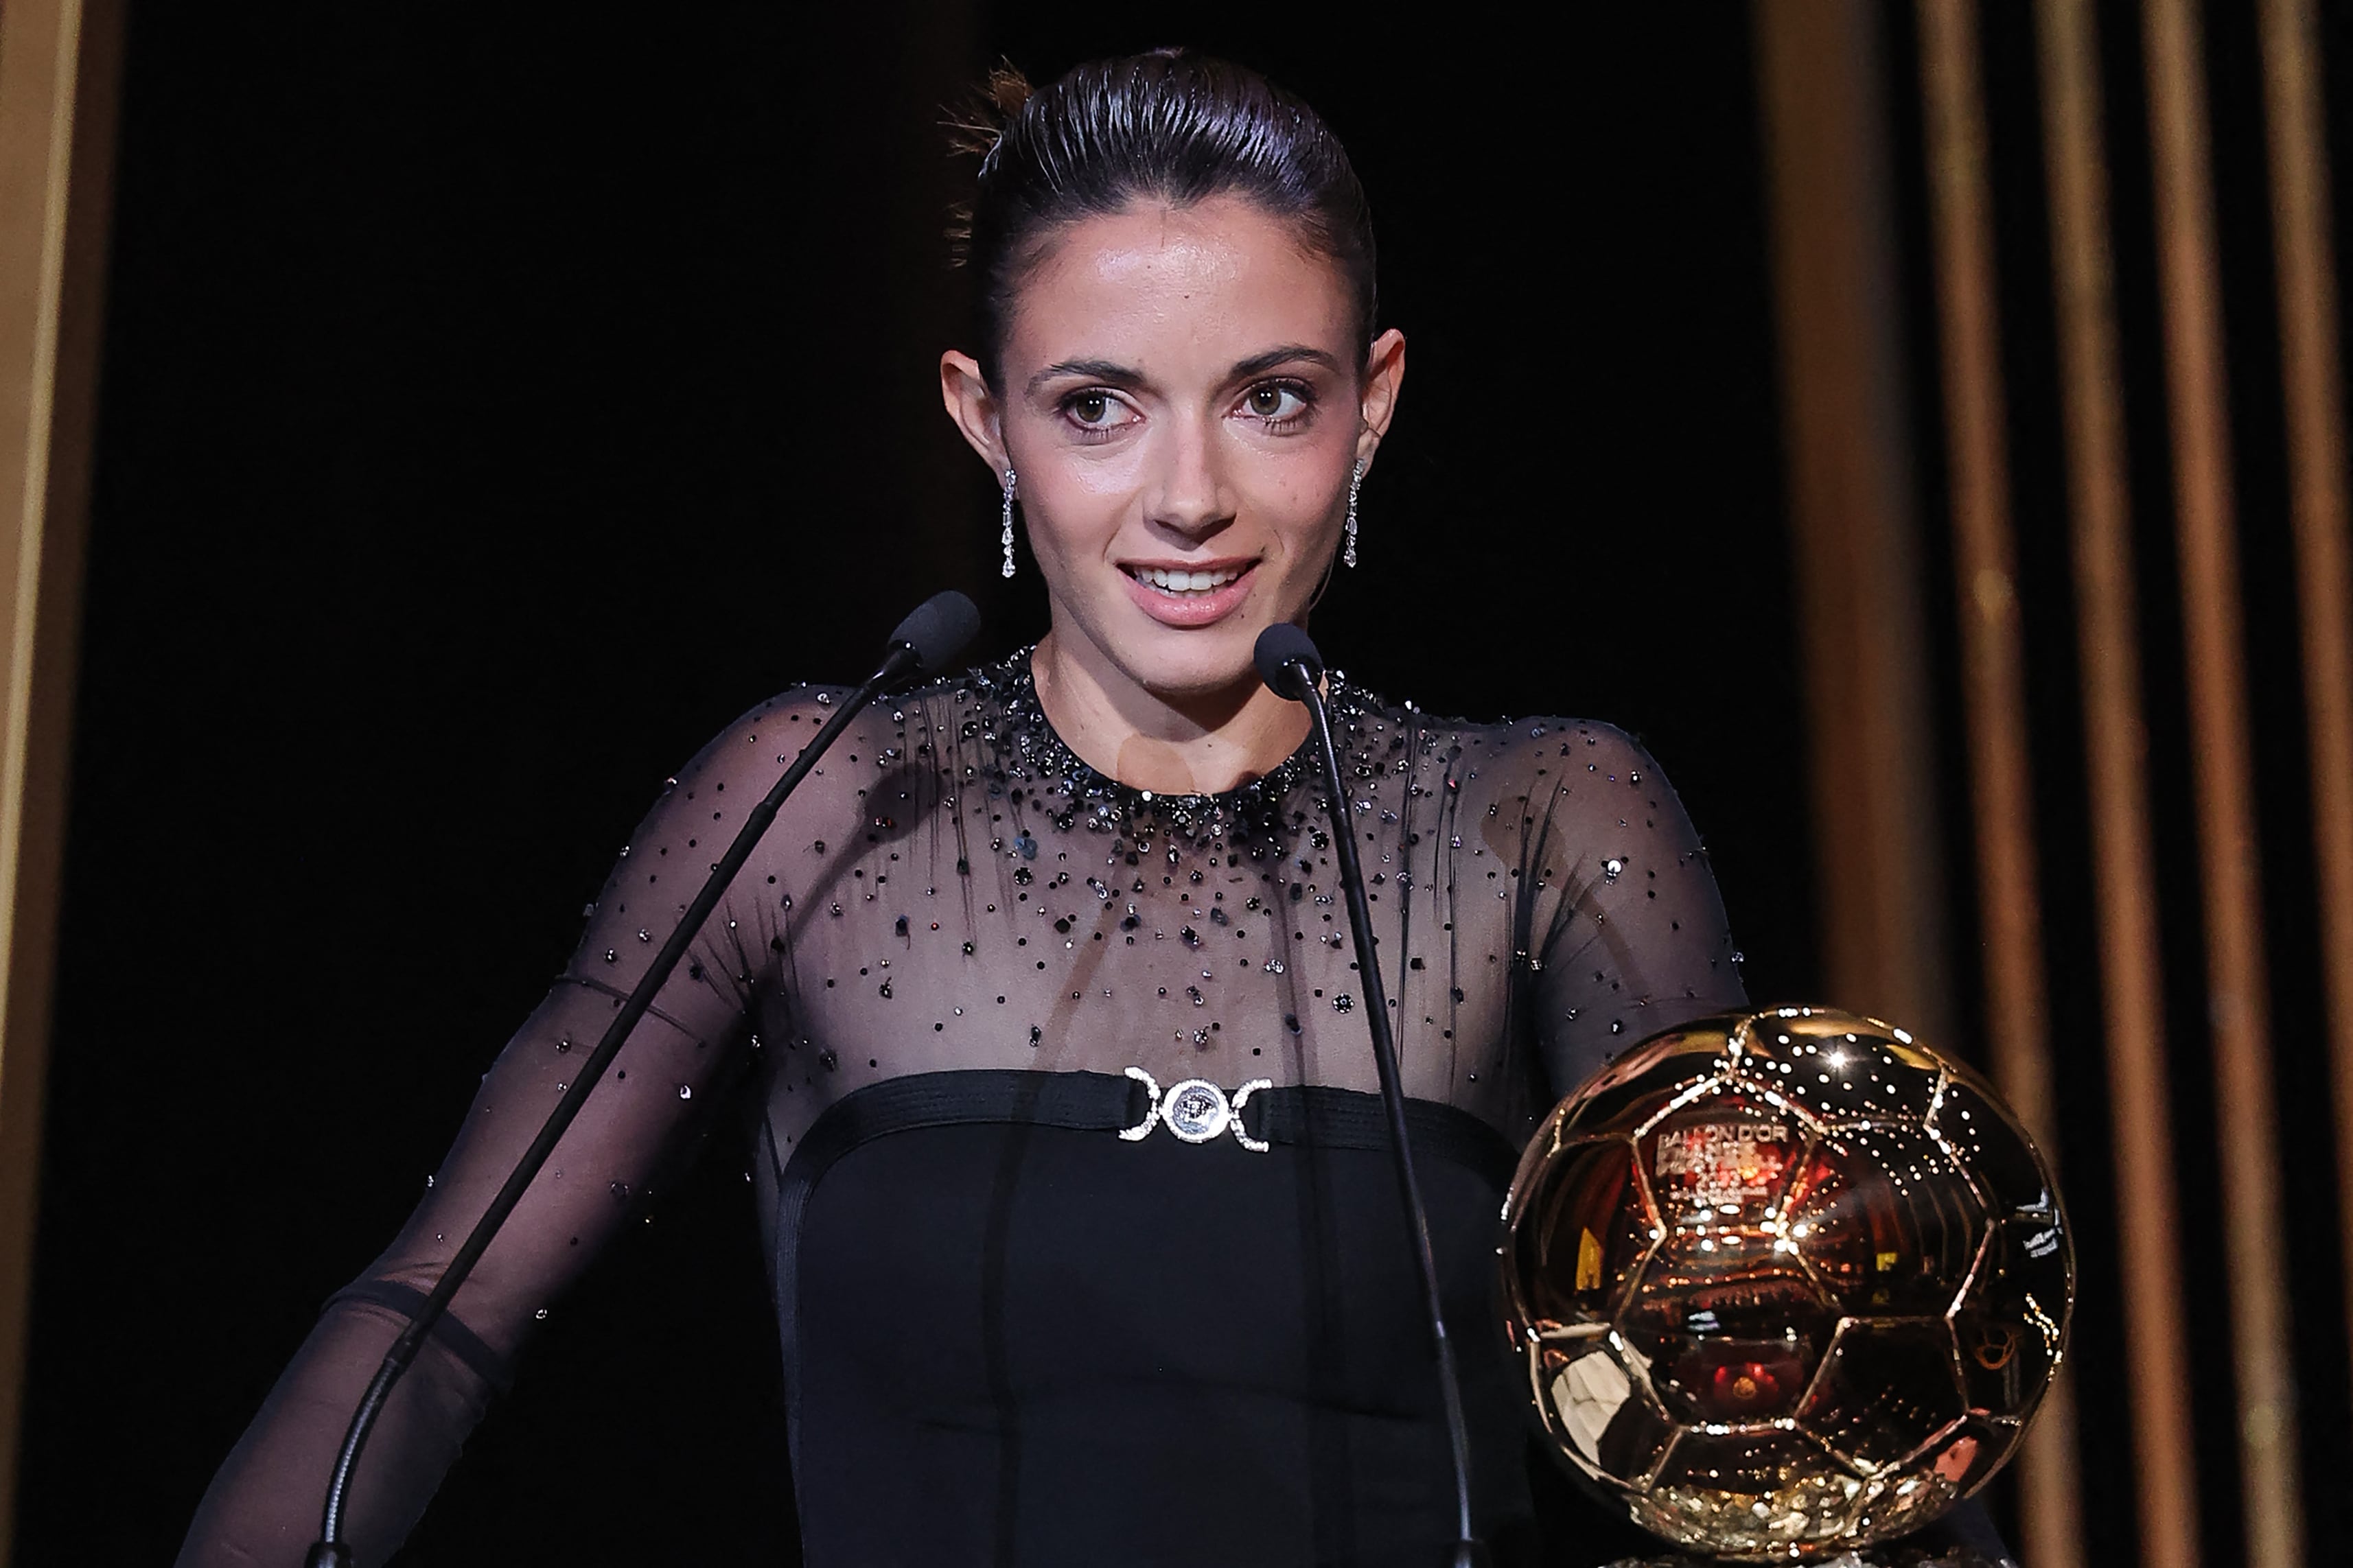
(1203, 744)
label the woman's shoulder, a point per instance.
(995, 684)
(764, 737)
(805, 707)
(909, 732)
(1551, 769)
(1550, 743)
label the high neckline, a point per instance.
(1038, 754)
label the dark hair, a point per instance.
(1170, 125)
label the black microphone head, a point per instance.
(938, 629)
(1280, 647)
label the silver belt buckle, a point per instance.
(1196, 1110)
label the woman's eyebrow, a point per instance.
(1289, 353)
(1101, 370)
(1114, 374)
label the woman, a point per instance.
(1027, 1316)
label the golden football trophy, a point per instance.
(1787, 1283)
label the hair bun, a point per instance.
(978, 124)
(1008, 89)
(976, 127)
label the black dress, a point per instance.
(1084, 1238)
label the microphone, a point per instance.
(1288, 664)
(1287, 661)
(935, 633)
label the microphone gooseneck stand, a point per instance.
(925, 640)
(1287, 661)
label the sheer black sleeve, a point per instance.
(1625, 933)
(263, 1506)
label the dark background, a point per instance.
(494, 408)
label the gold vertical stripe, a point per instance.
(2316, 459)
(2189, 283)
(1852, 523)
(58, 65)
(2155, 1345)
(1993, 683)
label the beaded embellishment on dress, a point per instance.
(1075, 795)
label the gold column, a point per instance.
(1852, 515)
(58, 65)
(2197, 398)
(2315, 407)
(2115, 743)
(1993, 680)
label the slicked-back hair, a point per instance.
(1169, 126)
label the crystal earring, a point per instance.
(1007, 538)
(1355, 481)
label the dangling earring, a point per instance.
(1355, 479)
(1007, 539)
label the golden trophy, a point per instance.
(1788, 1283)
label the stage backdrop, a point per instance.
(488, 415)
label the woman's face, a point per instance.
(1182, 397)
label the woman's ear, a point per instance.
(974, 409)
(1384, 375)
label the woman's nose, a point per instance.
(1191, 495)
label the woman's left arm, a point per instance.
(1629, 935)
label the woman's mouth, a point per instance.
(1178, 584)
(1187, 598)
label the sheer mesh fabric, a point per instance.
(952, 889)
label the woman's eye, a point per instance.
(1094, 410)
(1275, 402)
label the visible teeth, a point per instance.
(1185, 582)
